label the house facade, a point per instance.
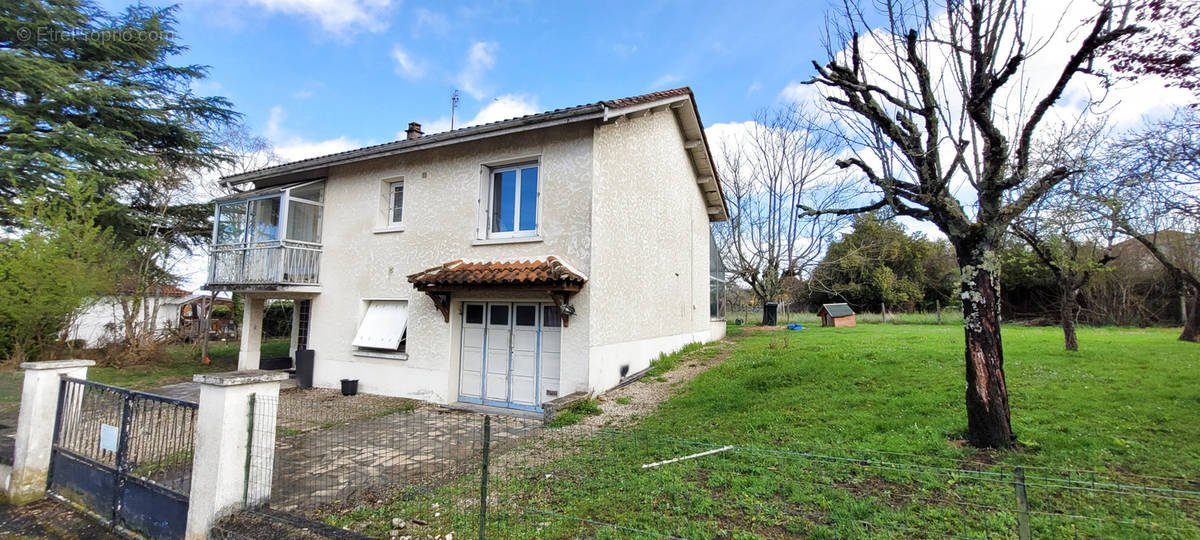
(505, 264)
(101, 321)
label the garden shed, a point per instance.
(836, 315)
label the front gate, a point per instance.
(124, 455)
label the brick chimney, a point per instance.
(413, 131)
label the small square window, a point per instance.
(498, 315)
(474, 314)
(551, 316)
(526, 316)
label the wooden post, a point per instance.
(1023, 532)
(938, 304)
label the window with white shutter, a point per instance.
(384, 326)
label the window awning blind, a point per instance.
(383, 326)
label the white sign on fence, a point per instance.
(108, 437)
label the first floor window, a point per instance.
(396, 205)
(384, 327)
(513, 201)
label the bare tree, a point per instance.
(784, 159)
(172, 226)
(1155, 199)
(943, 87)
(1074, 247)
(1070, 234)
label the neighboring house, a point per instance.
(836, 315)
(102, 321)
(504, 264)
(191, 318)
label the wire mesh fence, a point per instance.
(332, 452)
(388, 468)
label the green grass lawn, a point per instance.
(181, 363)
(857, 432)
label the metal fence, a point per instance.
(386, 467)
(619, 483)
(333, 452)
(124, 455)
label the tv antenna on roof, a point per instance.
(453, 107)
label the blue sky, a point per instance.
(322, 76)
(317, 75)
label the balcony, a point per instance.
(278, 263)
(268, 238)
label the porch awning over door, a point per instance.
(549, 275)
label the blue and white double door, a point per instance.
(510, 354)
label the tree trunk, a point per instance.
(1068, 310)
(988, 424)
(1191, 327)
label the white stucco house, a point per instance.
(101, 319)
(504, 264)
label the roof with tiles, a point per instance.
(837, 310)
(648, 98)
(460, 273)
(465, 131)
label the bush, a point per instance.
(221, 312)
(277, 319)
(576, 412)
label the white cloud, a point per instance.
(505, 107)
(434, 22)
(481, 57)
(338, 16)
(665, 81)
(624, 49)
(500, 108)
(292, 147)
(406, 65)
(799, 93)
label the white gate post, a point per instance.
(35, 426)
(223, 440)
(252, 330)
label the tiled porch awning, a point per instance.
(549, 275)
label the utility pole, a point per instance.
(453, 107)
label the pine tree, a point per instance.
(92, 95)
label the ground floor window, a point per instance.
(716, 299)
(384, 327)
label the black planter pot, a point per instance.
(304, 368)
(349, 387)
(275, 363)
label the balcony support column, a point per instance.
(252, 327)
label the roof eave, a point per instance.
(698, 149)
(317, 167)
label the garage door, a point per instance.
(510, 354)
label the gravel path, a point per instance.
(646, 394)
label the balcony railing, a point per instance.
(284, 262)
